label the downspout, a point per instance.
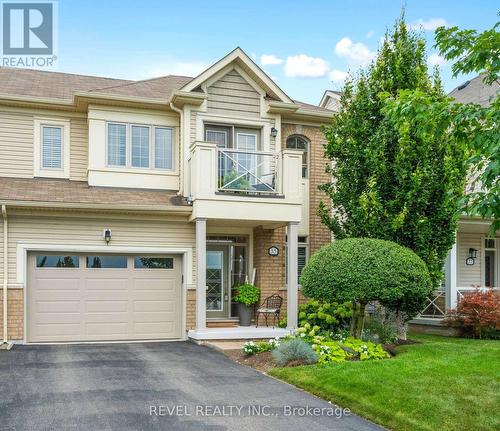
(181, 148)
(5, 274)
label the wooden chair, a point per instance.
(271, 306)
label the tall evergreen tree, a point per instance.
(391, 182)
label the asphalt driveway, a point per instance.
(150, 386)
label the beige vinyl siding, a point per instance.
(86, 229)
(16, 144)
(469, 275)
(79, 137)
(1, 250)
(192, 126)
(232, 95)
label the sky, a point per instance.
(305, 46)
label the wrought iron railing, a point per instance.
(246, 171)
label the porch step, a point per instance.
(222, 323)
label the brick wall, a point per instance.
(319, 234)
(15, 313)
(191, 309)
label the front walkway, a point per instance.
(116, 386)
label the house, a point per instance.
(473, 260)
(131, 209)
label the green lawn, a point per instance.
(443, 383)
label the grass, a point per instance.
(443, 383)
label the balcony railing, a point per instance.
(246, 171)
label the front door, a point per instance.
(217, 282)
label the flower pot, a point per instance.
(245, 314)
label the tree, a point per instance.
(476, 126)
(361, 270)
(392, 182)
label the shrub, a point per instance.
(250, 348)
(294, 349)
(328, 317)
(247, 294)
(477, 315)
(382, 327)
(282, 323)
(361, 270)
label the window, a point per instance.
(117, 144)
(140, 147)
(52, 147)
(217, 136)
(153, 262)
(106, 261)
(246, 161)
(163, 148)
(52, 261)
(302, 256)
(299, 143)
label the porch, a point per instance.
(472, 263)
(229, 254)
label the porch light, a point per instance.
(472, 253)
(274, 132)
(107, 235)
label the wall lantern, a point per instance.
(473, 253)
(274, 132)
(107, 235)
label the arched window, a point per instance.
(297, 142)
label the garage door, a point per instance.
(91, 297)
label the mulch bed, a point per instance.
(261, 361)
(264, 361)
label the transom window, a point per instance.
(140, 146)
(299, 143)
(52, 147)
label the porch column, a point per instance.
(451, 291)
(292, 275)
(201, 273)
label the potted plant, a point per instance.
(247, 295)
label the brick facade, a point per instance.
(319, 234)
(191, 309)
(15, 313)
(270, 271)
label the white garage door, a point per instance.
(92, 297)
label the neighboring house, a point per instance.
(131, 209)
(474, 260)
(330, 100)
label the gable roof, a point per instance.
(57, 87)
(239, 57)
(476, 91)
(330, 97)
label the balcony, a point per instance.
(249, 185)
(241, 171)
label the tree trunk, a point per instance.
(358, 319)
(353, 318)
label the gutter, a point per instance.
(181, 147)
(120, 207)
(5, 273)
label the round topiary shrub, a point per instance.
(363, 270)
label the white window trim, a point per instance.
(38, 169)
(152, 149)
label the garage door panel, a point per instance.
(58, 318)
(112, 306)
(53, 283)
(58, 332)
(106, 330)
(157, 328)
(97, 304)
(154, 305)
(57, 306)
(111, 283)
